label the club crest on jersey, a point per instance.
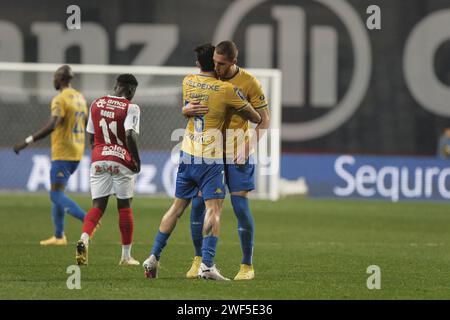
(101, 103)
(239, 93)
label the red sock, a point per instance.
(91, 220)
(126, 225)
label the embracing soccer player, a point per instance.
(66, 125)
(113, 127)
(240, 174)
(201, 161)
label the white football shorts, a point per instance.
(109, 177)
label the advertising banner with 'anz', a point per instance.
(346, 88)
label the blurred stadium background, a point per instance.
(362, 111)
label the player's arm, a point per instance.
(259, 102)
(249, 113)
(236, 100)
(131, 136)
(131, 133)
(260, 131)
(91, 139)
(90, 127)
(192, 109)
(55, 119)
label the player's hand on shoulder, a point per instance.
(19, 146)
(193, 109)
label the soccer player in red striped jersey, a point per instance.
(113, 127)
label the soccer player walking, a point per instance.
(201, 167)
(67, 128)
(239, 169)
(113, 127)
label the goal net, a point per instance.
(26, 90)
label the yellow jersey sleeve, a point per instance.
(256, 95)
(57, 107)
(234, 98)
(183, 86)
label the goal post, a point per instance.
(26, 90)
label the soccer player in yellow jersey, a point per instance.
(240, 174)
(201, 165)
(67, 128)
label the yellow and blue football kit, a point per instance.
(68, 137)
(201, 166)
(67, 140)
(242, 177)
(238, 178)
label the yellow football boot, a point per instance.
(193, 271)
(246, 272)
(53, 241)
(81, 253)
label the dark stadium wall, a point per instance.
(346, 89)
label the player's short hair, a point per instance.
(228, 49)
(127, 80)
(205, 54)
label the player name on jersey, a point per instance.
(107, 114)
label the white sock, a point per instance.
(85, 238)
(126, 251)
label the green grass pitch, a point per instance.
(304, 249)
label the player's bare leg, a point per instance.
(211, 231)
(168, 223)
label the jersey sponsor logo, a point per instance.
(114, 151)
(198, 97)
(106, 169)
(112, 103)
(205, 138)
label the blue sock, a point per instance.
(209, 250)
(58, 220)
(197, 218)
(159, 244)
(245, 227)
(68, 205)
